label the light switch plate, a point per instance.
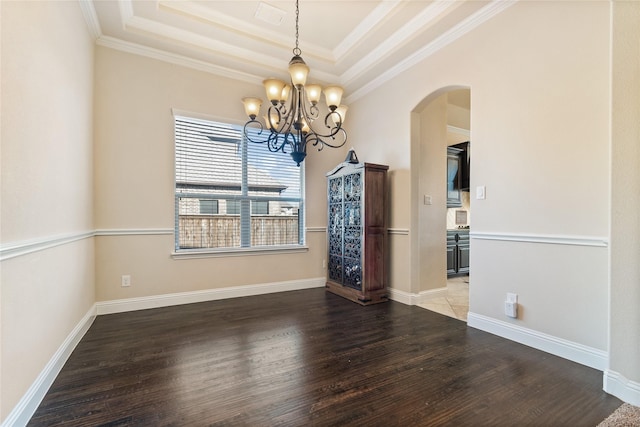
(480, 192)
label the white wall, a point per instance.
(539, 77)
(47, 186)
(624, 341)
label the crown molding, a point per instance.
(419, 23)
(483, 15)
(379, 14)
(188, 38)
(162, 55)
(143, 26)
(91, 18)
(197, 12)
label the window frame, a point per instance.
(186, 253)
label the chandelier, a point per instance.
(291, 118)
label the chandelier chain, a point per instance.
(296, 50)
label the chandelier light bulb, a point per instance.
(284, 97)
(252, 106)
(305, 127)
(271, 121)
(298, 71)
(313, 93)
(342, 110)
(333, 96)
(274, 88)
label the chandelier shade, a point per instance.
(291, 122)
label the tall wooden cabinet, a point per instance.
(357, 233)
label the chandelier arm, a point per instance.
(273, 140)
(285, 115)
(271, 112)
(333, 130)
(322, 140)
(333, 114)
(276, 142)
(310, 111)
(253, 123)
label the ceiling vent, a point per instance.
(271, 14)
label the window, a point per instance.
(232, 193)
(233, 207)
(258, 207)
(208, 207)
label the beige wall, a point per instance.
(432, 181)
(47, 169)
(540, 132)
(625, 221)
(134, 151)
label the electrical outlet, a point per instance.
(511, 305)
(324, 263)
(126, 281)
(511, 309)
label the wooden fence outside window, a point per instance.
(223, 231)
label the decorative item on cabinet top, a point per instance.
(357, 232)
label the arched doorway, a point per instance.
(440, 123)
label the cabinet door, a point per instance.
(451, 259)
(454, 198)
(352, 229)
(463, 258)
(335, 230)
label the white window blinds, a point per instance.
(232, 193)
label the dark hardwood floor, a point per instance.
(312, 358)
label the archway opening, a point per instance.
(441, 205)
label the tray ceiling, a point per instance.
(358, 44)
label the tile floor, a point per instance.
(456, 302)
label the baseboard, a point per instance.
(589, 356)
(26, 407)
(622, 388)
(409, 298)
(166, 300)
(403, 297)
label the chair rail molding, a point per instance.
(12, 250)
(553, 239)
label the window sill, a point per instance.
(229, 252)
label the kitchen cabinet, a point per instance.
(357, 233)
(454, 198)
(464, 170)
(457, 252)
